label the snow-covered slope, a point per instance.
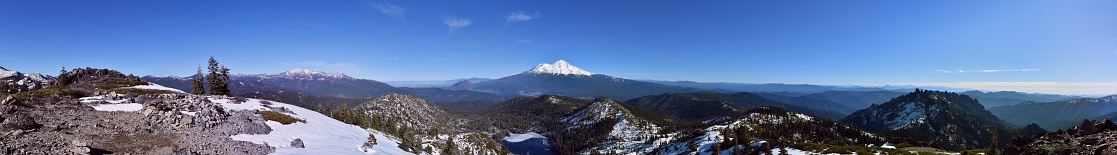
(560, 67)
(16, 81)
(625, 132)
(154, 86)
(951, 120)
(320, 134)
(431, 125)
(310, 74)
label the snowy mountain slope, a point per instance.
(320, 134)
(574, 82)
(154, 86)
(950, 120)
(14, 81)
(426, 125)
(751, 133)
(560, 67)
(609, 126)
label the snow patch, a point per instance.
(119, 107)
(320, 134)
(516, 138)
(154, 86)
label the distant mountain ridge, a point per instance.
(565, 79)
(433, 83)
(1058, 114)
(15, 81)
(706, 105)
(317, 83)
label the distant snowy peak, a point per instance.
(35, 80)
(4, 73)
(307, 72)
(560, 67)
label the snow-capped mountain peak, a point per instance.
(4, 73)
(307, 72)
(560, 67)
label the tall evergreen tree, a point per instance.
(224, 89)
(218, 78)
(62, 78)
(197, 86)
(213, 79)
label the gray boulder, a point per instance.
(297, 143)
(20, 122)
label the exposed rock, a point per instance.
(79, 143)
(1090, 137)
(20, 122)
(162, 127)
(80, 150)
(9, 100)
(297, 143)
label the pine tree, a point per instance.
(218, 78)
(450, 146)
(214, 76)
(197, 86)
(62, 78)
(224, 89)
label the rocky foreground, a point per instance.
(166, 124)
(1090, 137)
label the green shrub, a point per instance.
(280, 117)
(42, 93)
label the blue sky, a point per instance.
(1035, 46)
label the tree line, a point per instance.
(217, 81)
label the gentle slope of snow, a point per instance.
(154, 86)
(119, 107)
(116, 105)
(516, 138)
(320, 134)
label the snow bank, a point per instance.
(156, 87)
(116, 105)
(887, 145)
(119, 107)
(320, 134)
(516, 138)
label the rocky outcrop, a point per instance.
(1089, 137)
(167, 124)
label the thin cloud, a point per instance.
(523, 41)
(391, 10)
(455, 23)
(986, 71)
(517, 16)
(392, 58)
